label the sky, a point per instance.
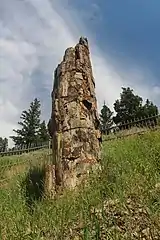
(124, 39)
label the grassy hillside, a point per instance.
(120, 202)
(11, 166)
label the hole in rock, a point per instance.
(87, 104)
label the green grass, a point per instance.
(12, 165)
(120, 202)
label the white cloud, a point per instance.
(33, 37)
(109, 80)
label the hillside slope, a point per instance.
(120, 202)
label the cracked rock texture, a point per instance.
(74, 123)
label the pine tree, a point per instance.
(30, 124)
(129, 107)
(43, 132)
(149, 109)
(3, 144)
(106, 119)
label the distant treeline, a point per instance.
(129, 111)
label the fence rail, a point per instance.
(135, 126)
(23, 149)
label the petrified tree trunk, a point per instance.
(74, 123)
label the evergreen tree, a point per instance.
(3, 144)
(43, 132)
(106, 119)
(129, 107)
(149, 109)
(30, 124)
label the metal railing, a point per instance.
(135, 126)
(24, 149)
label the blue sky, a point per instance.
(124, 39)
(127, 30)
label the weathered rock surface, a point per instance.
(74, 123)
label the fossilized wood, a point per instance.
(74, 123)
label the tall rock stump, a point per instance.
(74, 123)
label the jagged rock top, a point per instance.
(83, 41)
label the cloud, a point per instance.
(32, 41)
(33, 37)
(110, 79)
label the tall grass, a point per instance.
(111, 206)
